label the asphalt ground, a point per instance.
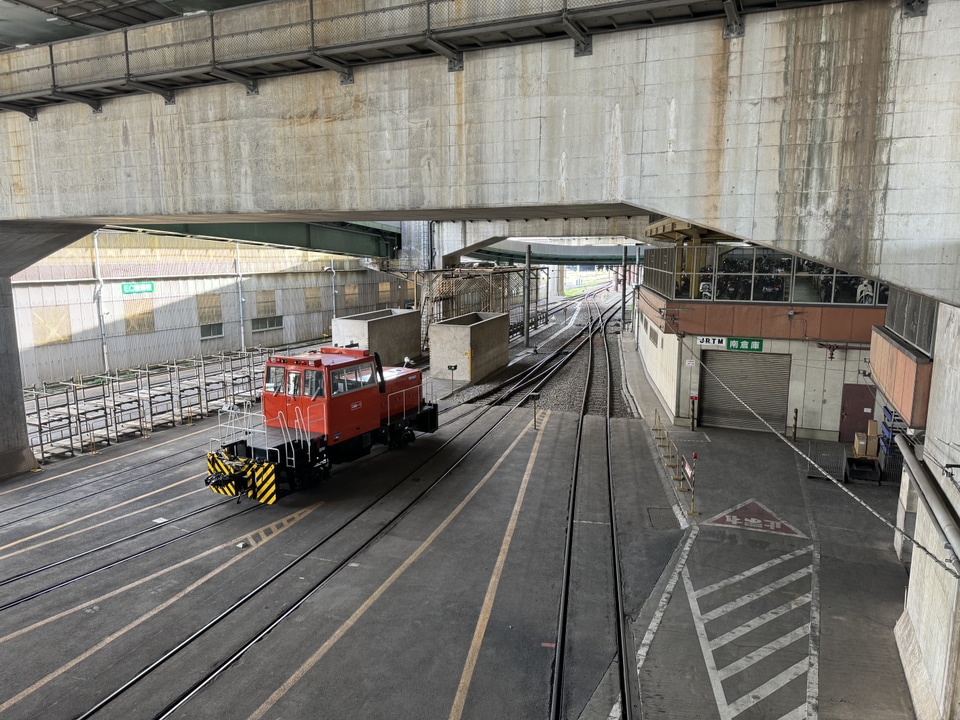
(777, 601)
(782, 598)
(451, 613)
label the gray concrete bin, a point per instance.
(393, 333)
(477, 343)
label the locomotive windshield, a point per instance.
(293, 383)
(274, 379)
(344, 380)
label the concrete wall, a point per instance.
(828, 130)
(57, 316)
(928, 634)
(660, 353)
(816, 382)
(477, 343)
(393, 333)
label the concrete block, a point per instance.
(477, 344)
(392, 333)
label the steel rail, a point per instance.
(317, 586)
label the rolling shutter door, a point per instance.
(762, 380)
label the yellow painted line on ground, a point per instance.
(100, 512)
(102, 462)
(456, 712)
(353, 619)
(289, 521)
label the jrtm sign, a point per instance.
(745, 344)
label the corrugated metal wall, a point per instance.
(149, 301)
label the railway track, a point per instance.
(233, 629)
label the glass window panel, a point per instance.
(274, 379)
(294, 381)
(313, 383)
(845, 287)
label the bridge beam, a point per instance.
(338, 238)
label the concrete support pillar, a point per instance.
(15, 454)
(560, 280)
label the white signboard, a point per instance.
(712, 341)
(690, 362)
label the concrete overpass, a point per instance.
(808, 133)
(825, 130)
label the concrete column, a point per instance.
(15, 454)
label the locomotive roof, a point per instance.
(326, 356)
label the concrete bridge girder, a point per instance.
(553, 238)
(769, 146)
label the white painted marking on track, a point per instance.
(734, 579)
(160, 520)
(757, 594)
(658, 614)
(707, 652)
(805, 666)
(759, 621)
(770, 686)
(798, 713)
(767, 650)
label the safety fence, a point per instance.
(682, 470)
(67, 417)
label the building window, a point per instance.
(51, 325)
(210, 315)
(138, 317)
(267, 323)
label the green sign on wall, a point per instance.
(136, 287)
(745, 344)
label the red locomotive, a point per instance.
(322, 407)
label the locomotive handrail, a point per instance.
(285, 432)
(299, 422)
(390, 398)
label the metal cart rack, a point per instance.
(156, 393)
(91, 412)
(123, 403)
(50, 428)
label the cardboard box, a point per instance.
(865, 446)
(873, 428)
(860, 445)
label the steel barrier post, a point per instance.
(693, 488)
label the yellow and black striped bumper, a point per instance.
(242, 476)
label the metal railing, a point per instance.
(210, 40)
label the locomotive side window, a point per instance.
(274, 380)
(355, 377)
(313, 383)
(293, 384)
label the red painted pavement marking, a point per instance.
(752, 515)
(548, 645)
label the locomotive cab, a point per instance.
(319, 408)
